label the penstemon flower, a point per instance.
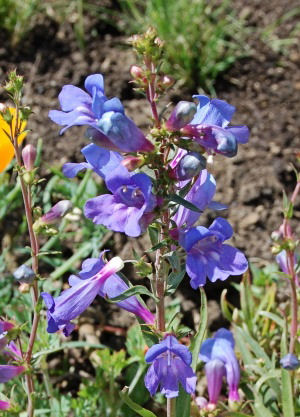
(109, 126)
(129, 208)
(170, 366)
(8, 372)
(208, 256)
(218, 353)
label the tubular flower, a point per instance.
(8, 372)
(170, 365)
(218, 353)
(207, 256)
(108, 125)
(95, 278)
(5, 326)
(210, 129)
(6, 147)
(129, 208)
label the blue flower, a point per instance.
(290, 362)
(109, 126)
(207, 256)
(218, 353)
(170, 365)
(95, 278)
(210, 129)
(129, 208)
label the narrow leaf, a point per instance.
(174, 279)
(182, 202)
(134, 406)
(287, 390)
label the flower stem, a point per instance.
(171, 407)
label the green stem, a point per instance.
(171, 407)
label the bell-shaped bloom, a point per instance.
(7, 151)
(208, 256)
(24, 274)
(98, 159)
(105, 117)
(170, 365)
(5, 326)
(182, 114)
(28, 156)
(218, 353)
(95, 278)
(129, 208)
(210, 129)
(282, 261)
(8, 372)
(290, 362)
(4, 405)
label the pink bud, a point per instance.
(166, 81)
(29, 155)
(56, 212)
(132, 162)
(136, 72)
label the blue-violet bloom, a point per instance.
(218, 353)
(210, 129)
(207, 256)
(8, 372)
(170, 365)
(129, 208)
(5, 326)
(109, 127)
(290, 362)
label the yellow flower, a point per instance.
(6, 148)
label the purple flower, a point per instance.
(109, 126)
(4, 405)
(8, 372)
(207, 256)
(170, 365)
(98, 159)
(290, 362)
(187, 166)
(182, 114)
(210, 129)
(56, 212)
(129, 208)
(95, 278)
(218, 353)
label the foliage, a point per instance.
(203, 39)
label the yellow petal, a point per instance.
(6, 148)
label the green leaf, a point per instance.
(225, 306)
(236, 414)
(287, 390)
(182, 202)
(153, 231)
(273, 317)
(135, 290)
(174, 279)
(164, 242)
(134, 406)
(69, 345)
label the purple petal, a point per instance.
(178, 349)
(187, 377)
(102, 161)
(232, 260)
(151, 380)
(193, 235)
(225, 334)
(71, 169)
(4, 405)
(8, 372)
(114, 104)
(94, 81)
(206, 349)
(154, 351)
(196, 270)
(241, 133)
(221, 228)
(99, 139)
(215, 371)
(71, 97)
(119, 177)
(75, 117)
(214, 272)
(168, 377)
(213, 112)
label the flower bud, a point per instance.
(24, 274)
(290, 362)
(132, 162)
(201, 402)
(56, 212)
(29, 155)
(24, 288)
(182, 114)
(3, 108)
(136, 72)
(189, 166)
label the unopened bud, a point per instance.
(290, 362)
(166, 82)
(3, 108)
(136, 72)
(189, 166)
(56, 212)
(24, 274)
(182, 114)
(132, 162)
(201, 402)
(29, 155)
